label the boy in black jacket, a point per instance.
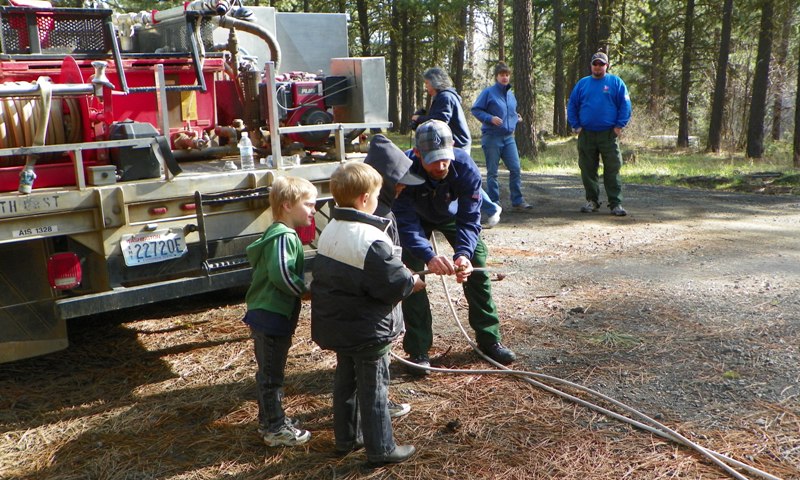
(358, 283)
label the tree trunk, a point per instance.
(781, 55)
(363, 27)
(797, 121)
(758, 104)
(523, 79)
(593, 32)
(435, 51)
(584, 56)
(656, 58)
(459, 50)
(407, 76)
(623, 34)
(470, 36)
(604, 27)
(559, 94)
(718, 105)
(394, 68)
(686, 76)
(501, 34)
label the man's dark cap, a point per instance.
(600, 56)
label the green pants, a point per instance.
(477, 290)
(591, 146)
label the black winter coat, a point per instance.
(358, 283)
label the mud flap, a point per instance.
(29, 325)
(32, 342)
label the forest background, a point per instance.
(714, 76)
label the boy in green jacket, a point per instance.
(273, 303)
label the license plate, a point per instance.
(152, 247)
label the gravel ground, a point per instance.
(687, 309)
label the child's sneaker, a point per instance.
(397, 410)
(287, 435)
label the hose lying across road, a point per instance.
(651, 425)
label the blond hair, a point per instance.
(289, 190)
(352, 180)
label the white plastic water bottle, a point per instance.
(246, 152)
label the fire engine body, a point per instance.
(131, 194)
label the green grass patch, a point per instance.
(614, 339)
(731, 375)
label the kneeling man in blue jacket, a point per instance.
(448, 201)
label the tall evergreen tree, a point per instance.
(407, 66)
(460, 48)
(718, 105)
(796, 150)
(393, 66)
(363, 27)
(686, 76)
(523, 79)
(758, 104)
(559, 94)
(501, 27)
(781, 69)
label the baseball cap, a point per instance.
(435, 141)
(600, 56)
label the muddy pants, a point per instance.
(591, 146)
(477, 290)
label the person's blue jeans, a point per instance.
(360, 404)
(271, 353)
(495, 148)
(488, 207)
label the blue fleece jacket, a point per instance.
(457, 196)
(446, 106)
(496, 101)
(599, 104)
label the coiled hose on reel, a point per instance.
(23, 118)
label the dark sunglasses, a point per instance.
(598, 63)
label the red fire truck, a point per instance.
(120, 182)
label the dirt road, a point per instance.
(687, 309)
(696, 292)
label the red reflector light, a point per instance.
(64, 271)
(158, 210)
(188, 207)
(307, 234)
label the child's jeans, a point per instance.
(271, 353)
(360, 396)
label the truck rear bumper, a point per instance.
(150, 293)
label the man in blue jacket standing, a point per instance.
(448, 201)
(599, 108)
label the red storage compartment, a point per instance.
(48, 175)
